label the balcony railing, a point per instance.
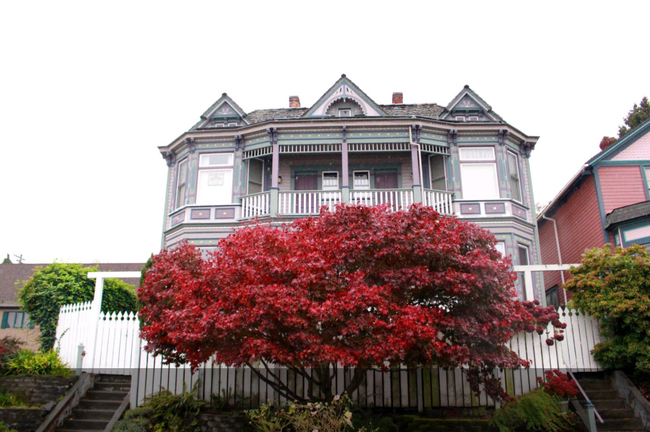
(397, 199)
(255, 205)
(302, 203)
(439, 200)
(307, 202)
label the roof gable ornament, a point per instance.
(223, 113)
(469, 105)
(348, 98)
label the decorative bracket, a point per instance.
(273, 135)
(191, 144)
(452, 137)
(526, 148)
(416, 131)
(170, 158)
(503, 134)
(345, 134)
(239, 141)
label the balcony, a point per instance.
(311, 202)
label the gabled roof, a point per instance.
(628, 213)
(468, 99)
(606, 154)
(11, 273)
(344, 88)
(224, 108)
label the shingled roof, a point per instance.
(11, 273)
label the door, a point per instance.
(305, 203)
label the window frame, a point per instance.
(25, 322)
(467, 162)
(345, 110)
(518, 178)
(354, 183)
(204, 168)
(330, 188)
(180, 184)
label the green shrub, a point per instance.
(5, 428)
(168, 412)
(322, 417)
(614, 288)
(26, 362)
(135, 420)
(535, 411)
(9, 400)
(59, 284)
(9, 346)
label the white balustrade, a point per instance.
(307, 202)
(397, 199)
(255, 205)
(439, 200)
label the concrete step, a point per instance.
(85, 424)
(629, 424)
(114, 378)
(608, 414)
(93, 414)
(113, 386)
(607, 404)
(105, 395)
(595, 384)
(595, 395)
(100, 404)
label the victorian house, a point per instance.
(462, 159)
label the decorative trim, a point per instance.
(376, 147)
(258, 152)
(470, 208)
(345, 134)
(452, 137)
(310, 148)
(526, 148)
(416, 130)
(203, 213)
(495, 208)
(503, 134)
(519, 212)
(170, 158)
(432, 148)
(273, 135)
(239, 141)
(224, 213)
(191, 144)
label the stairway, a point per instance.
(615, 412)
(97, 407)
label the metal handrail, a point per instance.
(600, 419)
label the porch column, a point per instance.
(345, 180)
(415, 166)
(414, 133)
(275, 171)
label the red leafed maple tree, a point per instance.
(359, 286)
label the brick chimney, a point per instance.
(294, 102)
(398, 98)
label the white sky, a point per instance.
(88, 90)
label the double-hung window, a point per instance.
(330, 180)
(361, 180)
(215, 178)
(478, 173)
(513, 170)
(181, 183)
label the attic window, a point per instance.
(460, 118)
(345, 112)
(473, 118)
(233, 124)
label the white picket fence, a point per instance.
(112, 345)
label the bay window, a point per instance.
(215, 178)
(478, 173)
